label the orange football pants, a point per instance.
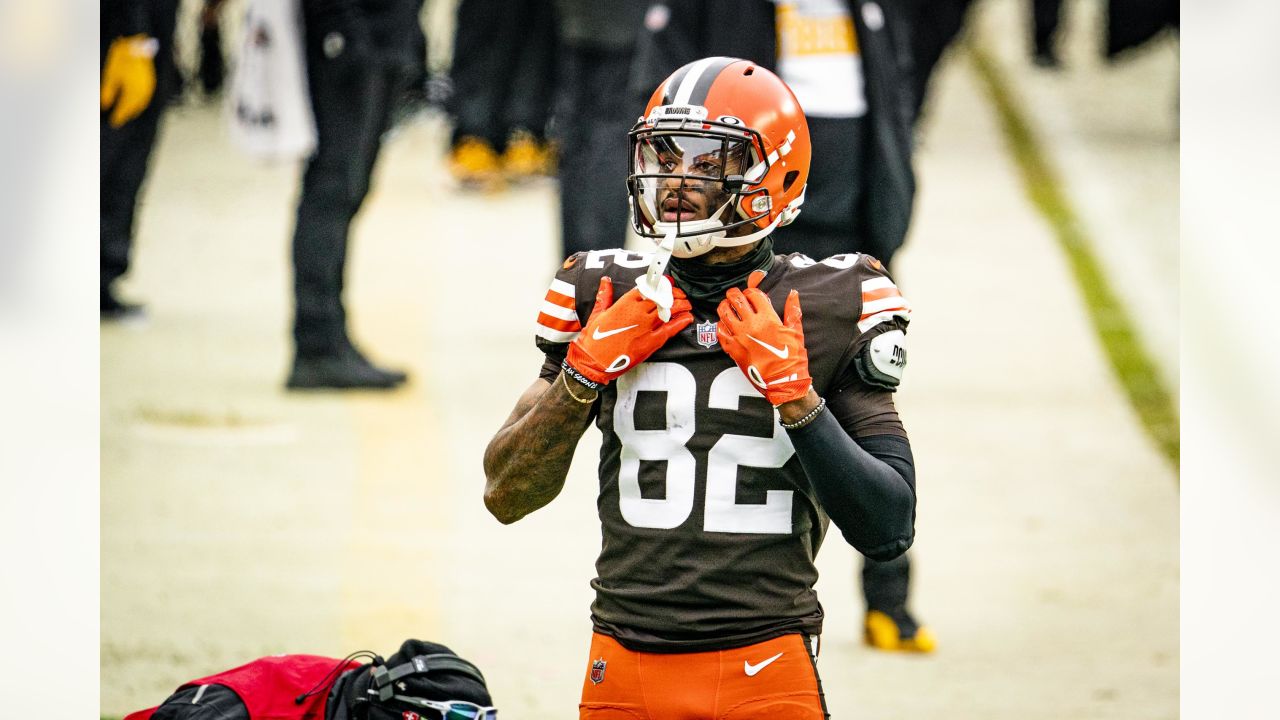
(772, 680)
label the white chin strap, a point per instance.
(711, 234)
(708, 232)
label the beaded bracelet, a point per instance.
(814, 413)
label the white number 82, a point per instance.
(722, 512)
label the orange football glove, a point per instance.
(769, 350)
(620, 335)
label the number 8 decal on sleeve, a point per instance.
(722, 512)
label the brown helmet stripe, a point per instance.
(690, 84)
(704, 81)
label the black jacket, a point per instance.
(392, 27)
(606, 25)
(747, 29)
(122, 18)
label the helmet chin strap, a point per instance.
(703, 243)
(707, 231)
(654, 284)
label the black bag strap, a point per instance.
(384, 679)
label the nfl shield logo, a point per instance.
(707, 334)
(597, 671)
(410, 715)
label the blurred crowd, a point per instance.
(534, 88)
(540, 88)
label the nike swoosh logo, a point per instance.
(783, 353)
(750, 669)
(596, 334)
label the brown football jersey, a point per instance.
(710, 525)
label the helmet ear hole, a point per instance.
(789, 179)
(749, 70)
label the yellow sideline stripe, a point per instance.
(1130, 361)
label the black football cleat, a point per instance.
(1046, 59)
(341, 372)
(350, 352)
(113, 309)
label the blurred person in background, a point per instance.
(1132, 23)
(211, 68)
(932, 25)
(597, 42)
(359, 56)
(503, 74)
(847, 64)
(138, 77)
(1046, 15)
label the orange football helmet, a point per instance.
(723, 144)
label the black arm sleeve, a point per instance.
(867, 487)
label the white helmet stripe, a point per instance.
(785, 147)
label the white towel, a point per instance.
(268, 107)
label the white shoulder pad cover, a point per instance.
(886, 358)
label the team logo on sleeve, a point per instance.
(707, 334)
(597, 671)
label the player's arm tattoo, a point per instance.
(527, 460)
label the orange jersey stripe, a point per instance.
(898, 307)
(880, 294)
(563, 301)
(556, 323)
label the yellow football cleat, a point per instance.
(527, 158)
(882, 633)
(474, 164)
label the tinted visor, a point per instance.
(709, 157)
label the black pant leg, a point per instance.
(484, 50)
(351, 108)
(212, 67)
(124, 155)
(533, 81)
(885, 585)
(1045, 17)
(592, 127)
(934, 25)
(828, 223)
(125, 152)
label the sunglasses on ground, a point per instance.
(453, 709)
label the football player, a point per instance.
(745, 401)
